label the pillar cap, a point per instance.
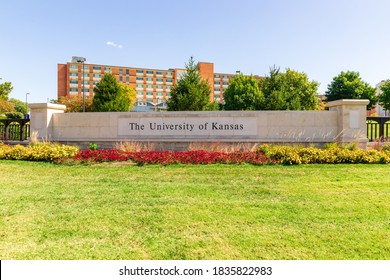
(341, 102)
(47, 106)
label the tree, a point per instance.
(6, 106)
(384, 96)
(128, 96)
(243, 93)
(191, 93)
(291, 90)
(349, 85)
(110, 96)
(5, 90)
(19, 106)
(75, 103)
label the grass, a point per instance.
(194, 212)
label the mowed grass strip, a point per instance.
(111, 211)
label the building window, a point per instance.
(169, 74)
(216, 76)
(73, 66)
(216, 83)
(168, 94)
(150, 93)
(225, 76)
(149, 72)
(127, 71)
(217, 89)
(73, 90)
(149, 86)
(97, 68)
(140, 79)
(149, 79)
(140, 86)
(159, 94)
(159, 80)
(120, 78)
(225, 83)
(159, 87)
(140, 93)
(107, 69)
(140, 71)
(74, 82)
(96, 75)
(86, 67)
(159, 73)
(120, 71)
(127, 79)
(169, 80)
(73, 74)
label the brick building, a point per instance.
(153, 86)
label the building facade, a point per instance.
(153, 86)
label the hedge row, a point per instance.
(331, 154)
(37, 152)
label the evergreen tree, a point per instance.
(191, 93)
(111, 96)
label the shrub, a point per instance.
(14, 115)
(37, 152)
(93, 146)
(331, 154)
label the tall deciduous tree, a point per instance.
(75, 103)
(291, 90)
(128, 96)
(384, 96)
(6, 106)
(5, 90)
(191, 93)
(19, 106)
(349, 85)
(111, 96)
(243, 93)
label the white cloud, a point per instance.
(113, 44)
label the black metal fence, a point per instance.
(14, 129)
(378, 128)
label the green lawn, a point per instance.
(113, 211)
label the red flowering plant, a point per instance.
(173, 157)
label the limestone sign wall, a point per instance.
(344, 122)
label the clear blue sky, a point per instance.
(321, 38)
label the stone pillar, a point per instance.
(351, 120)
(41, 118)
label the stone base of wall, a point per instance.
(185, 146)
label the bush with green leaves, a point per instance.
(14, 115)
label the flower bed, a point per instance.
(265, 154)
(169, 157)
